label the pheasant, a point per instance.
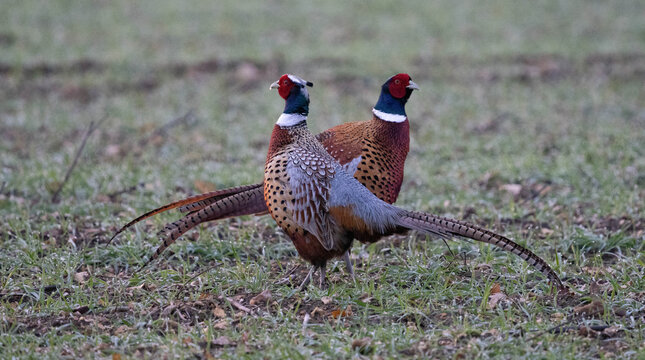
(322, 208)
(377, 149)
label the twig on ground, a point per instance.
(287, 276)
(187, 118)
(91, 128)
(236, 304)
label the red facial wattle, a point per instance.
(285, 85)
(398, 85)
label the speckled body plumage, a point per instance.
(382, 146)
(299, 175)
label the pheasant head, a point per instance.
(395, 92)
(294, 91)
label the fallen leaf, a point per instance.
(121, 329)
(316, 311)
(81, 277)
(362, 344)
(494, 299)
(116, 356)
(342, 313)
(204, 186)
(495, 289)
(219, 312)
(326, 299)
(221, 325)
(138, 287)
(595, 307)
(557, 316)
(612, 331)
(262, 297)
(585, 331)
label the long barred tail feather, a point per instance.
(192, 203)
(244, 203)
(433, 224)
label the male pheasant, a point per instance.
(322, 208)
(376, 149)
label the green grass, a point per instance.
(548, 95)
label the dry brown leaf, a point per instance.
(316, 311)
(81, 277)
(121, 329)
(342, 313)
(588, 332)
(362, 345)
(494, 299)
(204, 186)
(612, 331)
(595, 307)
(326, 299)
(557, 316)
(221, 325)
(495, 289)
(262, 297)
(219, 312)
(138, 287)
(116, 356)
(358, 343)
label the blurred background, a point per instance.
(550, 91)
(535, 90)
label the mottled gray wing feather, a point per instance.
(311, 194)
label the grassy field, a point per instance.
(530, 121)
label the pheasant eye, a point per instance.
(397, 81)
(285, 82)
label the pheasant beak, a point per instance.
(275, 85)
(413, 86)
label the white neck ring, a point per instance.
(290, 119)
(389, 117)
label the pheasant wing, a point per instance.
(309, 178)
